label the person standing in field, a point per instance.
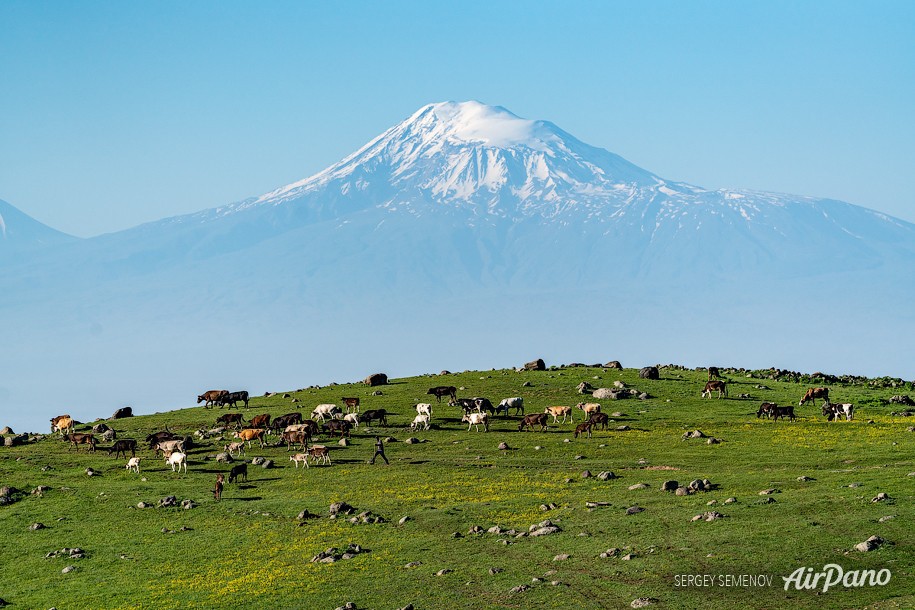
(379, 451)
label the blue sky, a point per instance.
(119, 113)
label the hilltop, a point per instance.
(449, 503)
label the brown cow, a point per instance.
(260, 421)
(712, 386)
(76, 439)
(351, 404)
(217, 491)
(534, 419)
(212, 397)
(813, 393)
(599, 419)
(582, 429)
(294, 437)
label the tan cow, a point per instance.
(250, 434)
(62, 423)
(590, 408)
(556, 412)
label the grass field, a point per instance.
(251, 550)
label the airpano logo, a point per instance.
(832, 575)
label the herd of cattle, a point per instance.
(333, 419)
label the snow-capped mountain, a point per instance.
(462, 236)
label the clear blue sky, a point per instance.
(116, 113)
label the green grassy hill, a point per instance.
(252, 551)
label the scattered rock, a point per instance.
(68, 569)
(871, 544)
(855, 485)
(886, 518)
(411, 441)
(586, 474)
(805, 478)
(713, 441)
(881, 497)
(37, 526)
(628, 557)
(769, 492)
(643, 602)
(167, 502)
(188, 504)
(475, 529)
(669, 486)
(90, 472)
(519, 589)
(693, 434)
(649, 372)
(269, 463)
(610, 553)
(639, 486)
(444, 571)
(40, 490)
(494, 571)
(503, 446)
(341, 508)
(561, 557)
(683, 491)
(709, 516)
(534, 365)
(414, 564)
(143, 505)
(634, 510)
(7, 430)
(730, 501)
(257, 461)
(224, 458)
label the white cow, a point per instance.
(475, 420)
(421, 420)
(515, 402)
(237, 448)
(424, 408)
(352, 418)
(133, 464)
(844, 409)
(325, 411)
(177, 459)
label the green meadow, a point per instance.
(252, 551)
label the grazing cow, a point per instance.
(133, 464)
(483, 404)
(217, 490)
(62, 423)
(380, 414)
(156, 437)
(834, 410)
(238, 471)
(236, 448)
(783, 412)
(475, 420)
(177, 459)
(233, 398)
(325, 411)
(318, 452)
(279, 423)
(565, 412)
(169, 446)
(250, 434)
(420, 421)
(599, 419)
(308, 426)
(352, 418)
(424, 408)
(351, 404)
(534, 419)
(515, 402)
(713, 386)
(295, 437)
(590, 408)
(467, 404)
(77, 438)
(765, 410)
(122, 446)
(813, 393)
(443, 390)
(210, 397)
(713, 373)
(299, 457)
(337, 425)
(230, 418)
(122, 413)
(582, 429)
(260, 421)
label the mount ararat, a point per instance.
(462, 237)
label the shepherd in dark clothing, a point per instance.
(379, 451)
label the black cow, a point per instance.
(233, 398)
(156, 437)
(230, 418)
(122, 446)
(443, 390)
(783, 412)
(598, 419)
(241, 470)
(280, 423)
(380, 414)
(337, 425)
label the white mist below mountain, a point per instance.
(462, 237)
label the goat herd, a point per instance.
(333, 419)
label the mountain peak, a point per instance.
(478, 123)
